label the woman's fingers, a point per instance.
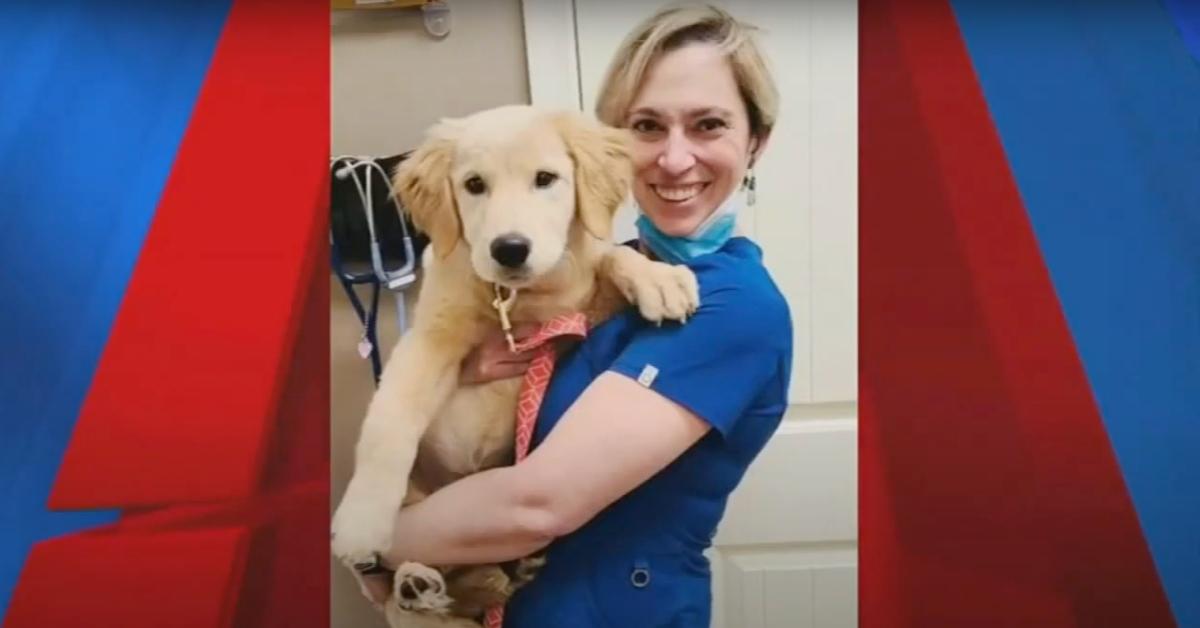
(505, 364)
(492, 360)
(377, 587)
(522, 331)
(521, 357)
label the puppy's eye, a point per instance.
(475, 185)
(545, 179)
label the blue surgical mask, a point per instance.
(709, 236)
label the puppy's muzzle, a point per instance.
(510, 250)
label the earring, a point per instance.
(748, 183)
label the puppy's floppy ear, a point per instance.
(603, 169)
(423, 184)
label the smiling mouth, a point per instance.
(678, 193)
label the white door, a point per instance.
(786, 552)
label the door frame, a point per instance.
(551, 53)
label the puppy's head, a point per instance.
(508, 183)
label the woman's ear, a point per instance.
(423, 184)
(603, 169)
(757, 144)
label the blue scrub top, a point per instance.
(639, 563)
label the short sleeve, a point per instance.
(721, 360)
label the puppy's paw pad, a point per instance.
(420, 588)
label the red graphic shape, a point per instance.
(189, 383)
(207, 421)
(991, 493)
(106, 579)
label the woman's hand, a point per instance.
(491, 360)
(377, 588)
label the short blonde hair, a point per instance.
(674, 27)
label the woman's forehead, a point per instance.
(701, 111)
(687, 80)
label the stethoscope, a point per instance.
(397, 281)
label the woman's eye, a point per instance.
(545, 179)
(644, 126)
(711, 124)
(475, 185)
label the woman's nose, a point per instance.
(677, 156)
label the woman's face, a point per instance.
(691, 137)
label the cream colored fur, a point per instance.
(421, 424)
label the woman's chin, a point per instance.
(674, 224)
(673, 228)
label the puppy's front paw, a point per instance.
(526, 569)
(420, 588)
(664, 292)
(361, 531)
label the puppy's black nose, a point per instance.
(510, 250)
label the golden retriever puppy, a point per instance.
(513, 199)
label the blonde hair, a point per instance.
(674, 27)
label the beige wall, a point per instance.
(390, 81)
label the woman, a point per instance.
(645, 430)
